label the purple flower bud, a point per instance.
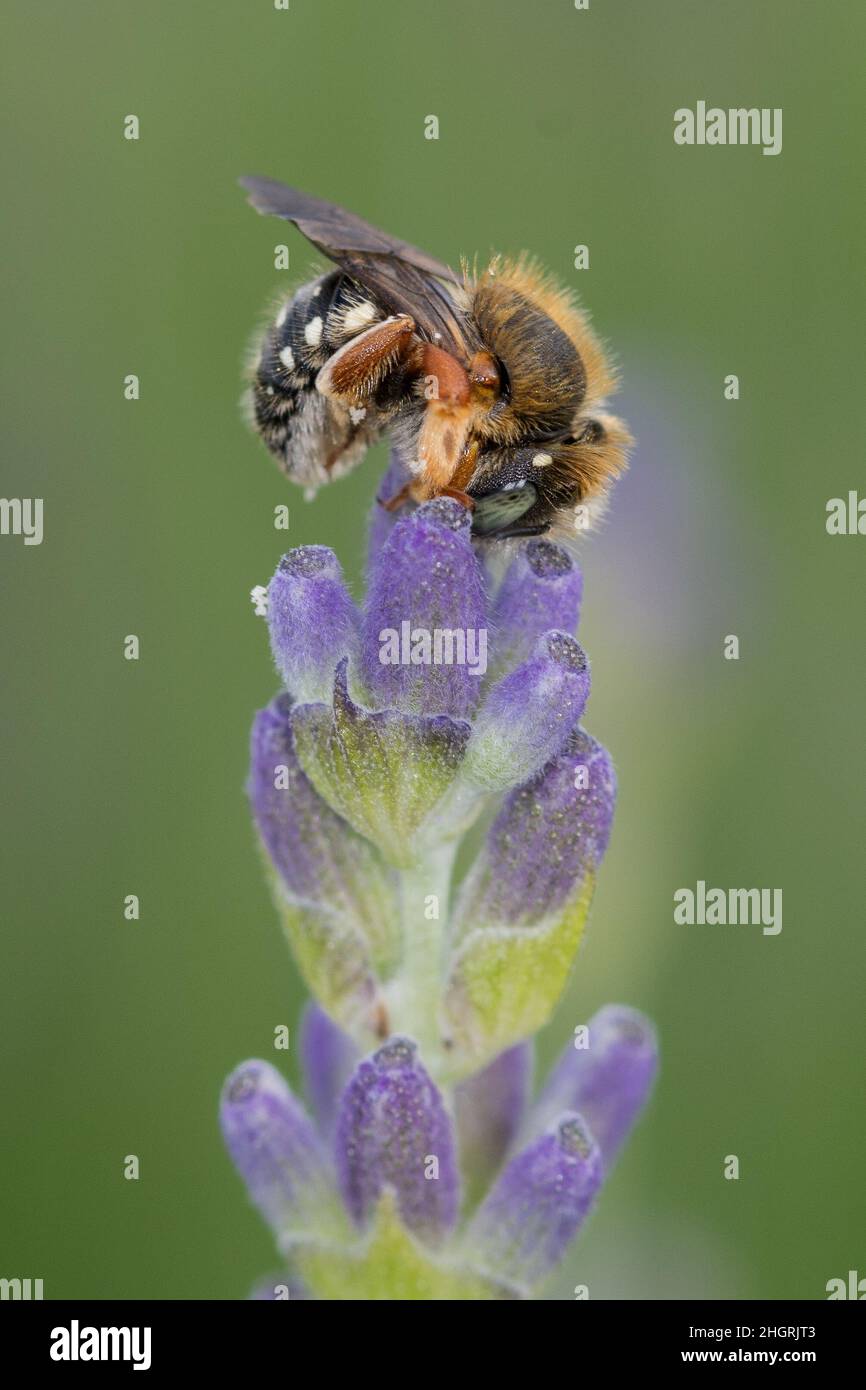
(393, 1130)
(312, 620)
(547, 836)
(528, 715)
(489, 1109)
(277, 1152)
(425, 634)
(383, 521)
(608, 1082)
(535, 1209)
(318, 857)
(296, 829)
(542, 589)
(328, 1058)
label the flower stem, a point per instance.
(416, 992)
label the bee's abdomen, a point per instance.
(312, 437)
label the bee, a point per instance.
(491, 386)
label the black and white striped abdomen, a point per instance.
(314, 438)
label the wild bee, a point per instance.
(490, 386)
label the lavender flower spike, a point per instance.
(608, 1080)
(393, 1131)
(312, 620)
(394, 735)
(539, 1203)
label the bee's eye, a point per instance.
(497, 510)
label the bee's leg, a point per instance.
(459, 496)
(313, 436)
(357, 369)
(393, 504)
(461, 476)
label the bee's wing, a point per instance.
(404, 279)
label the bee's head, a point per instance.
(527, 490)
(542, 365)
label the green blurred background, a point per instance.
(123, 777)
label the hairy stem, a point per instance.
(415, 994)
